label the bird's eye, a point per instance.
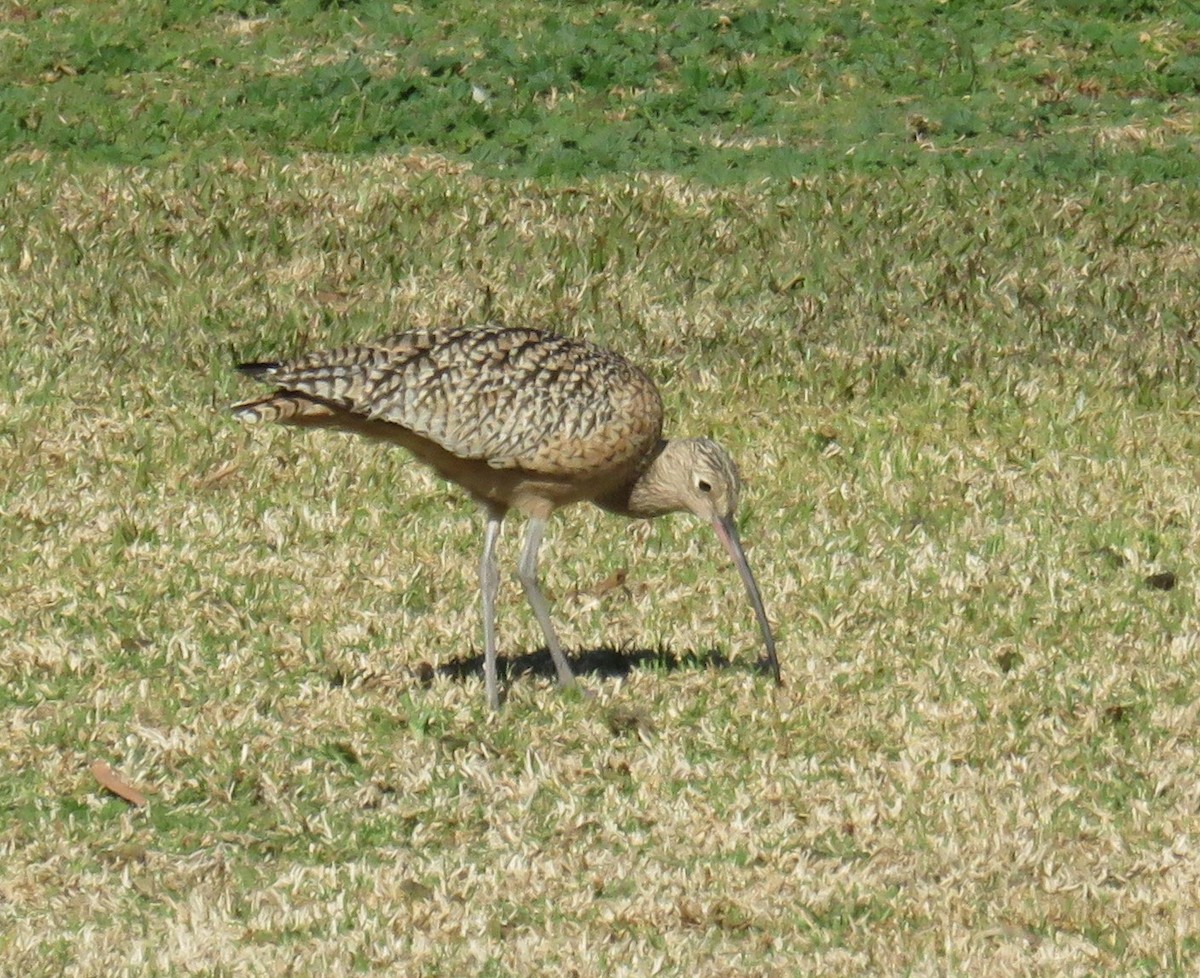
(704, 486)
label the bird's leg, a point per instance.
(489, 585)
(527, 574)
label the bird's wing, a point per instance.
(515, 398)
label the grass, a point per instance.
(961, 383)
(539, 89)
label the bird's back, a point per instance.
(510, 398)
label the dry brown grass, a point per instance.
(964, 418)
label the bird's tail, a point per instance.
(282, 406)
(256, 370)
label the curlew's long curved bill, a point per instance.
(727, 531)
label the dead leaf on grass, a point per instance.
(218, 474)
(109, 780)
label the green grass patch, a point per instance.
(761, 90)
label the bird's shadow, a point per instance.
(606, 661)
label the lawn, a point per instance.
(928, 270)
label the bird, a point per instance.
(521, 419)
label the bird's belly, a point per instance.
(529, 493)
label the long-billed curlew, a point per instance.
(522, 420)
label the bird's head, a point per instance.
(712, 485)
(697, 475)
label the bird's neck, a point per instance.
(645, 494)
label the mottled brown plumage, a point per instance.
(520, 419)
